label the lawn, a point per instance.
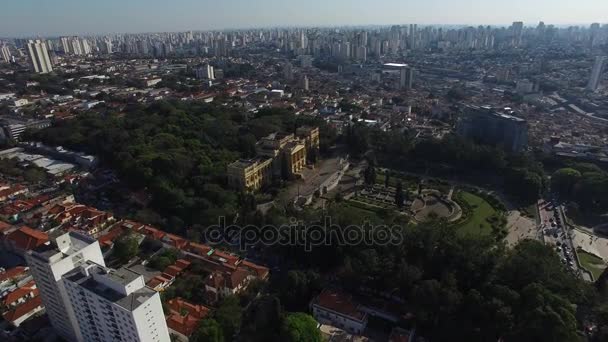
(476, 223)
(591, 263)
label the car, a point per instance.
(559, 249)
(571, 264)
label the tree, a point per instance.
(370, 173)
(209, 330)
(228, 315)
(126, 248)
(399, 195)
(564, 180)
(300, 327)
(261, 319)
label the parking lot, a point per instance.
(556, 233)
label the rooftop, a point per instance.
(122, 276)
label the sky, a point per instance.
(61, 17)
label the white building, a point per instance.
(48, 264)
(338, 309)
(205, 73)
(5, 52)
(39, 57)
(115, 305)
(86, 301)
(596, 73)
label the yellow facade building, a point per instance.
(310, 135)
(250, 174)
(274, 151)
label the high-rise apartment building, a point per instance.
(115, 305)
(406, 77)
(206, 72)
(288, 71)
(48, 264)
(596, 73)
(5, 52)
(39, 56)
(488, 126)
(87, 301)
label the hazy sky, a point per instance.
(55, 17)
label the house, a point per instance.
(183, 317)
(23, 312)
(24, 239)
(160, 282)
(10, 277)
(174, 241)
(338, 309)
(220, 284)
(177, 268)
(12, 192)
(20, 295)
(199, 249)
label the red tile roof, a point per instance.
(4, 227)
(23, 309)
(28, 289)
(26, 238)
(184, 317)
(339, 302)
(199, 249)
(13, 273)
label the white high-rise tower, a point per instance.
(39, 57)
(596, 73)
(87, 301)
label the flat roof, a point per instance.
(395, 65)
(130, 302)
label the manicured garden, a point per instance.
(591, 263)
(479, 217)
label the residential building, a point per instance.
(23, 240)
(183, 317)
(487, 126)
(5, 52)
(23, 312)
(596, 73)
(39, 57)
(49, 263)
(338, 309)
(205, 73)
(114, 305)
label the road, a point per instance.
(557, 233)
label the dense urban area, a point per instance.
(377, 183)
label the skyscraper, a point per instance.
(518, 31)
(39, 57)
(596, 73)
(115, 305)
(5, 52)
(87, 301)
(305, 83)
(48, 264)
(406, 77)
(288, 71)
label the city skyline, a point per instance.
(66, 17)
